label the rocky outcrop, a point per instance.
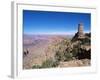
(82, 41)
(75, 63)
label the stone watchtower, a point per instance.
(80, 34)
(80, 31)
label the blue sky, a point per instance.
(47, 22)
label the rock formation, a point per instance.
(83, 42)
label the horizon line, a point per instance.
(59, 33)
(55, 33)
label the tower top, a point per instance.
(80, 24)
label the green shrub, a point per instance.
(64, 56)
(68, 56)
(64, 52)
(59, 56)
(86, 41)
(49, 63)
(36, 66)
(46, 64)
